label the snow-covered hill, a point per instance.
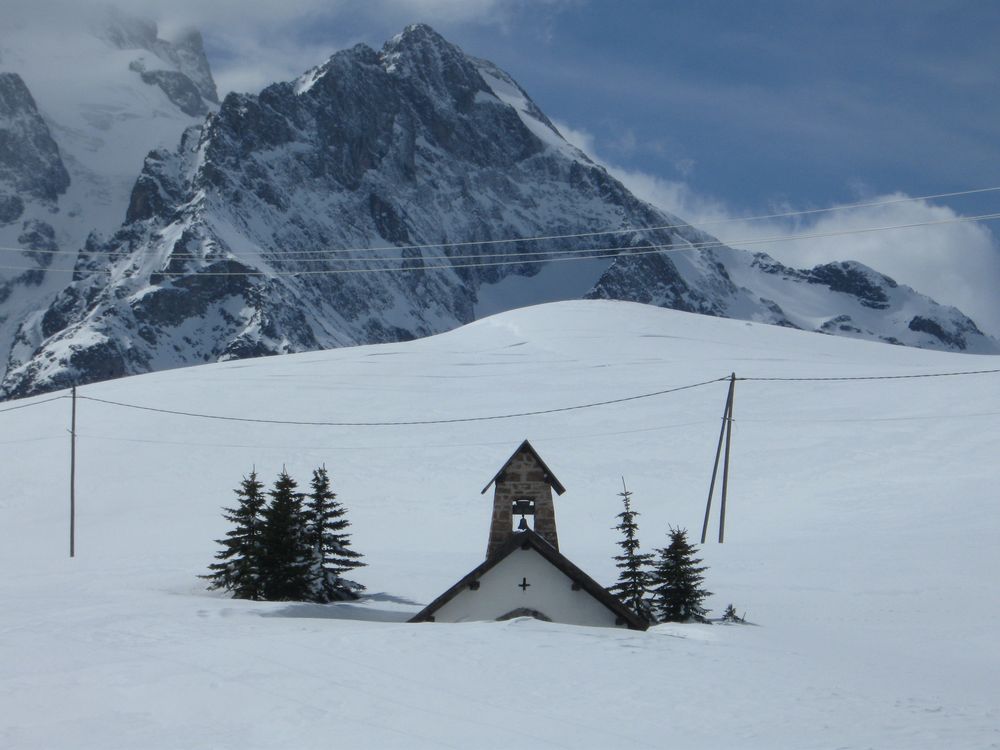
(861, 537)
(322, 212)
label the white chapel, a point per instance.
(524, 574)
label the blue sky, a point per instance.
(724, 109)
(757, 103)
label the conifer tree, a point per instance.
(633, 578)
(677, 578)
(332, 555)
(239, 560)
(730, 615)
(287, 554)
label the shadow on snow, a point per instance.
(363, 609)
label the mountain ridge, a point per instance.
(257, 234)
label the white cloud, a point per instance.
(253, 43)
(576, 137)
(956, 263)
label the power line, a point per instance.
(33, 403)
(399, 423)
(382, 446)
(631, 230)
(293, 255)
(852, 420)
(538, 412)
(526, 259)
(32, 440)
(606, 253)
(874, 377)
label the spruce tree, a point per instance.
(633, 578)
(730, 615)
(332, 555)
(239, 560)
(677, 578)
(287, 555)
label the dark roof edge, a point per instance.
(553, 482)
(555, 557)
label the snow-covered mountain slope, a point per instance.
(844, 299)
(362, 203)
(861, 538)
(33, 179)
(77, 118)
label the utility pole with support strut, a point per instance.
(72, 477)
(724, 434)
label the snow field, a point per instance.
(860, 537)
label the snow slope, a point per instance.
(861, 537)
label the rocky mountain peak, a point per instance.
(418, 38)
(183, 56)
(30, 163)
(420, 53)
(319, 214)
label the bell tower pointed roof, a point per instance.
(550, 478)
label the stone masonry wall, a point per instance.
(523, 479)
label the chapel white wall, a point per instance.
(551, 593)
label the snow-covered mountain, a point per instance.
(844, 299)
(367, 200)
(77, 118)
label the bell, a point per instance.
(522, 524)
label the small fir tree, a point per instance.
(730, 615)
(633, 578)
(287, 554)
(330, 548)
(677, 579)
(239, 561)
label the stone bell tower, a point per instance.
(523, 487)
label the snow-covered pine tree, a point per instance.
(633, 578)
(239, 560)
(677, 578)
(730, 615)
(287, 554)
(332, 555)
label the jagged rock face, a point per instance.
(114, 91)
(30, 163)
(319, 214)
(408, 146)
(185, 55)
(33, 178)
(178, 88)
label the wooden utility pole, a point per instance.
(72, 477)
(725, 466)
(724, 433)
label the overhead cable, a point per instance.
(874, 377)
(400, 423)
(33, 403)
(526, 259)
(627, 230)
(538, 412)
